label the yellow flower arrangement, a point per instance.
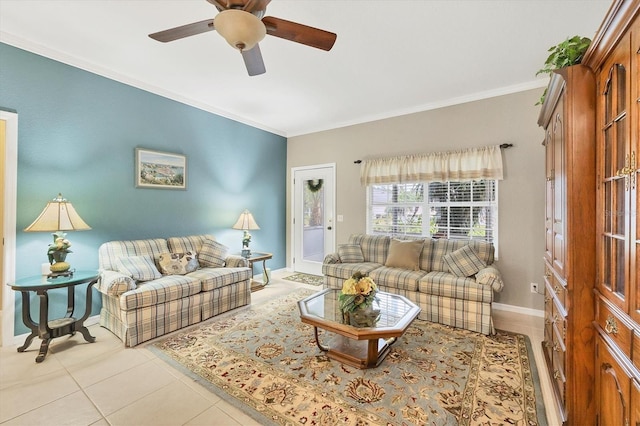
(358, 292)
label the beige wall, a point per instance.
(504, 119)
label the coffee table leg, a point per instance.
(322, 348)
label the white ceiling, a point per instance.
(391, 57)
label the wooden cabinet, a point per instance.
(615, 59)
(568, 117)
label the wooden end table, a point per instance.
(49, 329)
(364, 347)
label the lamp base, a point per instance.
(246, 252)
(67, 273)
(59, 267)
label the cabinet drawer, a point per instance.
(559, 351)
(555, 286)
(636, 350)
(614, 327)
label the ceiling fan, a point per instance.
(243, 24)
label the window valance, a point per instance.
(463, 165)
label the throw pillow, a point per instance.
(177, 263)
(350, 253)
(404, 254)
(140, 268)
(212, 254)
(463, 262)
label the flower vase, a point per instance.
(364, 317)
(346, 318)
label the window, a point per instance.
(452, 210)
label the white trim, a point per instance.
(9, 224)
(94, 68)
(518, 310)
(65, 58)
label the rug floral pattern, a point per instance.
(268, 360)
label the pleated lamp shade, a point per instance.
(58, 215)
(246, 221)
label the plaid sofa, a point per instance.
(444, 297)
(137, 311)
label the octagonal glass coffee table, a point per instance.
(364, 347)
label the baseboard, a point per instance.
(518, 310)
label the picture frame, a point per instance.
(160, 170)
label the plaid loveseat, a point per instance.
(140, 303)
(452, 281)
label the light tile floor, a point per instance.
(105, 384)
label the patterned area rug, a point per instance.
(265, 361)
(306, 279)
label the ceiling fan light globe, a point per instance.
(240, 29)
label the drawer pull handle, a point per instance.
(556, 347)
(611, 325)
(558, 289)
(556, 374)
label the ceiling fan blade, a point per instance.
(299, 33)
(183, 31)
(253, 61)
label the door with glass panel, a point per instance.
(313, 217)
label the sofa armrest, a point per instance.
(114, 283)
(331, 258)
(490, 276)
(233, 261)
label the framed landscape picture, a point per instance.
(160, 170)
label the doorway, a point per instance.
(313, 217)
(9, 154)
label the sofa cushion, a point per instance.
(110, 252)
(212, 278)
(346, 270)
(192, 243)
(374, 247)
(463, 262)
(140, 268)
(404, 254)
(212, 254)
(397, 278)
(164, 289)
(350, 253)
(445, 284)
(177, 263)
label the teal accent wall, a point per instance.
(77, 133)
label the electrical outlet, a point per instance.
(534, 287)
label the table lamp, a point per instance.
(246, 222)
(58, 216)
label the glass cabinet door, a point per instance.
(635, 171)
(614, 180)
